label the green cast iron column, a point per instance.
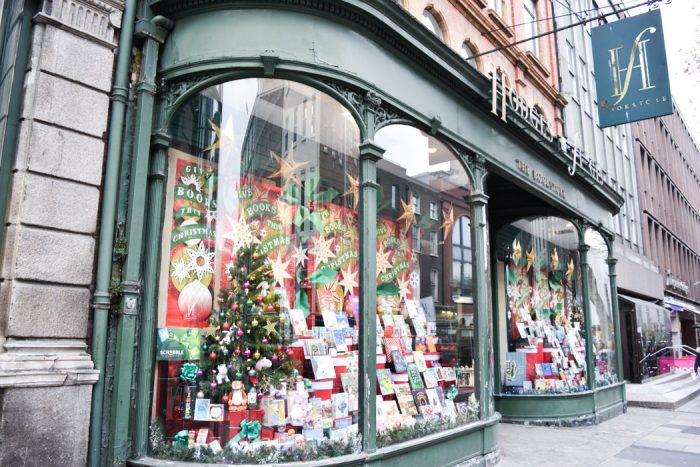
(370, 153)
(154, 221)
(612, 262)
(583, 253)
(482, 291)
(119, 439)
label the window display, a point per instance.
(601, 311)
(425, 376)
(545, 349)
(258, 310)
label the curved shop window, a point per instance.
(601, 311)
(543, 332)
(258, 302)
(425, 322)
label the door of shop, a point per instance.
(631, 343)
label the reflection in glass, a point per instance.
(545, 349)
(258, 306)
(425, 324)
(601, 312)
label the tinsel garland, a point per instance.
(251, 454)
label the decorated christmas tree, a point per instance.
(249, 342)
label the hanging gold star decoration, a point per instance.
(570, 269)
(555, 259)
(287, 168)
(409, 213)
(220, 143)
(530, 258)
(517, 252)
(354, 190)
(270, 327)
(448, 223)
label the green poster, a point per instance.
(178, 343)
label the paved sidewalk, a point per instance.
(641, 437)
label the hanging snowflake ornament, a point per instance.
(180, 270)
(241, 233)
(414, 279)
(322, 249)
(200, 261)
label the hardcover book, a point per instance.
(430, 378)
(414, 377)
(398, 362)
(419, 360)
(384, 380)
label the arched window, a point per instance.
(424, 269)
(543, 308)
(467, 51)
(260, 248)
(431, 22)
(530, 25)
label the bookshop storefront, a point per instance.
(308, 274)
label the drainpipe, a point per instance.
(101, 298)
(120, 445)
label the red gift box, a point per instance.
(235, 418)
(256, 414)
(266, 434)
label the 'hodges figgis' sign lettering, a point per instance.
(631, 70)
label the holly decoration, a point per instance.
(247, 331)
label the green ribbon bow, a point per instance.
(188, 372)
(181, 438)
(250, 431)
(451, 392)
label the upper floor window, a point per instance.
(433, 210)
(430, 21)
(467, 51)
(416, 204)
(530, 23)
(497, 6)
(395, 194)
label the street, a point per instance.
(641, 437)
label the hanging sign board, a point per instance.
(631, 71)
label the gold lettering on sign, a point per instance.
(639, 48)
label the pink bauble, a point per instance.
(195, 302)
(239, 333)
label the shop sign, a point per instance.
(631, 70)
(503, 93)
(510, 99)
(540, 179)
(580, 160)
(676, 284)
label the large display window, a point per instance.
(544, 340)
(258, 308)
(601, 311)
(425, 322)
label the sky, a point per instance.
(681, 23)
